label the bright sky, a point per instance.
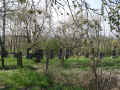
(95, 3)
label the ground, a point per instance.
(74, 74)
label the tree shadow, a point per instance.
(10, 88)
(8, 67)
(13, 67)
(30, 67)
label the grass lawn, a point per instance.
(33, 77)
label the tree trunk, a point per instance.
(2, 57)
(62, 61)
(19, 59)
(3, 34)
(47, 63)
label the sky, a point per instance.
(95, 3)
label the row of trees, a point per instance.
(31, 24)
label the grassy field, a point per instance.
(33, 77)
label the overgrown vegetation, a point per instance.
(33, 75)
(59, 44)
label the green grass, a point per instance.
(33, 75)
(23, 77)
(109, 63)
(81, 63)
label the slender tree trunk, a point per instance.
(47, 63)
(3, 34)
(62, 62)
(2, 58)
(19, 59)
(47, 60)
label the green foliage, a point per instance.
(31, 11)
(22, 1)
(113, 13)
(50, 44)
(85, 42)
(115, 43)
(39, 11)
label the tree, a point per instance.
(3, 34)
(111, 11)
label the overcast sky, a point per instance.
(95, 3)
